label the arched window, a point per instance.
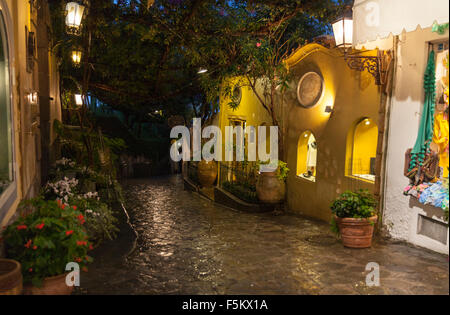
(307, 156)
(362, 150)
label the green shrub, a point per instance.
(359, 204)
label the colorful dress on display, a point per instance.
(440, 137)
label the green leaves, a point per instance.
(38, 239)
(359, 204)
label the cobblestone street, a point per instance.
(188, 245)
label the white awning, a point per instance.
(380, 18)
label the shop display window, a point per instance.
(307, 156)
(362, 150)
(6, 169)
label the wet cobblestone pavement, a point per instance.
(188, 245)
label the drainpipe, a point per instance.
(383, 136)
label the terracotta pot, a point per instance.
(10, 277)
(50, 286)
(207, 173)
(356, 233)
(270, 189)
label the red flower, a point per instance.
(74, 207)
(63, 206)
(40, 226)
(81, 219)
(22, 227)
(258, 45)
(69, 232)
(34, 247)
(30, 270)
(28, 244)
(91, 247)
(81, 243)
(78, 259)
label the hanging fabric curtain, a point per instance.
(425, 135)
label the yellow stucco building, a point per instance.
(29, 101)
(329, 116)
(337, 108)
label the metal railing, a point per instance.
(239, 179)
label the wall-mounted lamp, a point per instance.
(33, 98)
(343, 35)
(74, 16)
(76, 57)
(79, 99)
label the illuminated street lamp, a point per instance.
(79, 99)
(74, 16)
(76, 57)
(343, 30)
(343, 35)
(202, 70)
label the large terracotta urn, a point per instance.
(50, 286)
(207, 173)
(270, 189)
(355, 232)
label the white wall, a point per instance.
(401, 212)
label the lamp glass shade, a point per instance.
(76, 56)
(78, 99)
(74, 15)
(343, 31)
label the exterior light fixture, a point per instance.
(329, 109)
(79, 99)
(76, 57)
(343, 35)
(202, 70)
(32, 98)
(74, 16)
(367, 122)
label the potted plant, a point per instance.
(271, 186)
(354, 217)
(44, 239)
(11, 282)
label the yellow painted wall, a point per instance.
(250, 110)
(353, 96)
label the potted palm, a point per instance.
(271, 186)
(354, 218)
(44, 239)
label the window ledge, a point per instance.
(361, 179)
(311, 179)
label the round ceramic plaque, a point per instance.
(237, 94)
(310, 88)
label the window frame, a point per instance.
(10, 195)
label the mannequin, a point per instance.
(311, 157)
(441, 137)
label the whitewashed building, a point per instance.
(410, 29)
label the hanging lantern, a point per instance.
(343, 30)
(74, 16)
(76, 57)
(79, 99)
